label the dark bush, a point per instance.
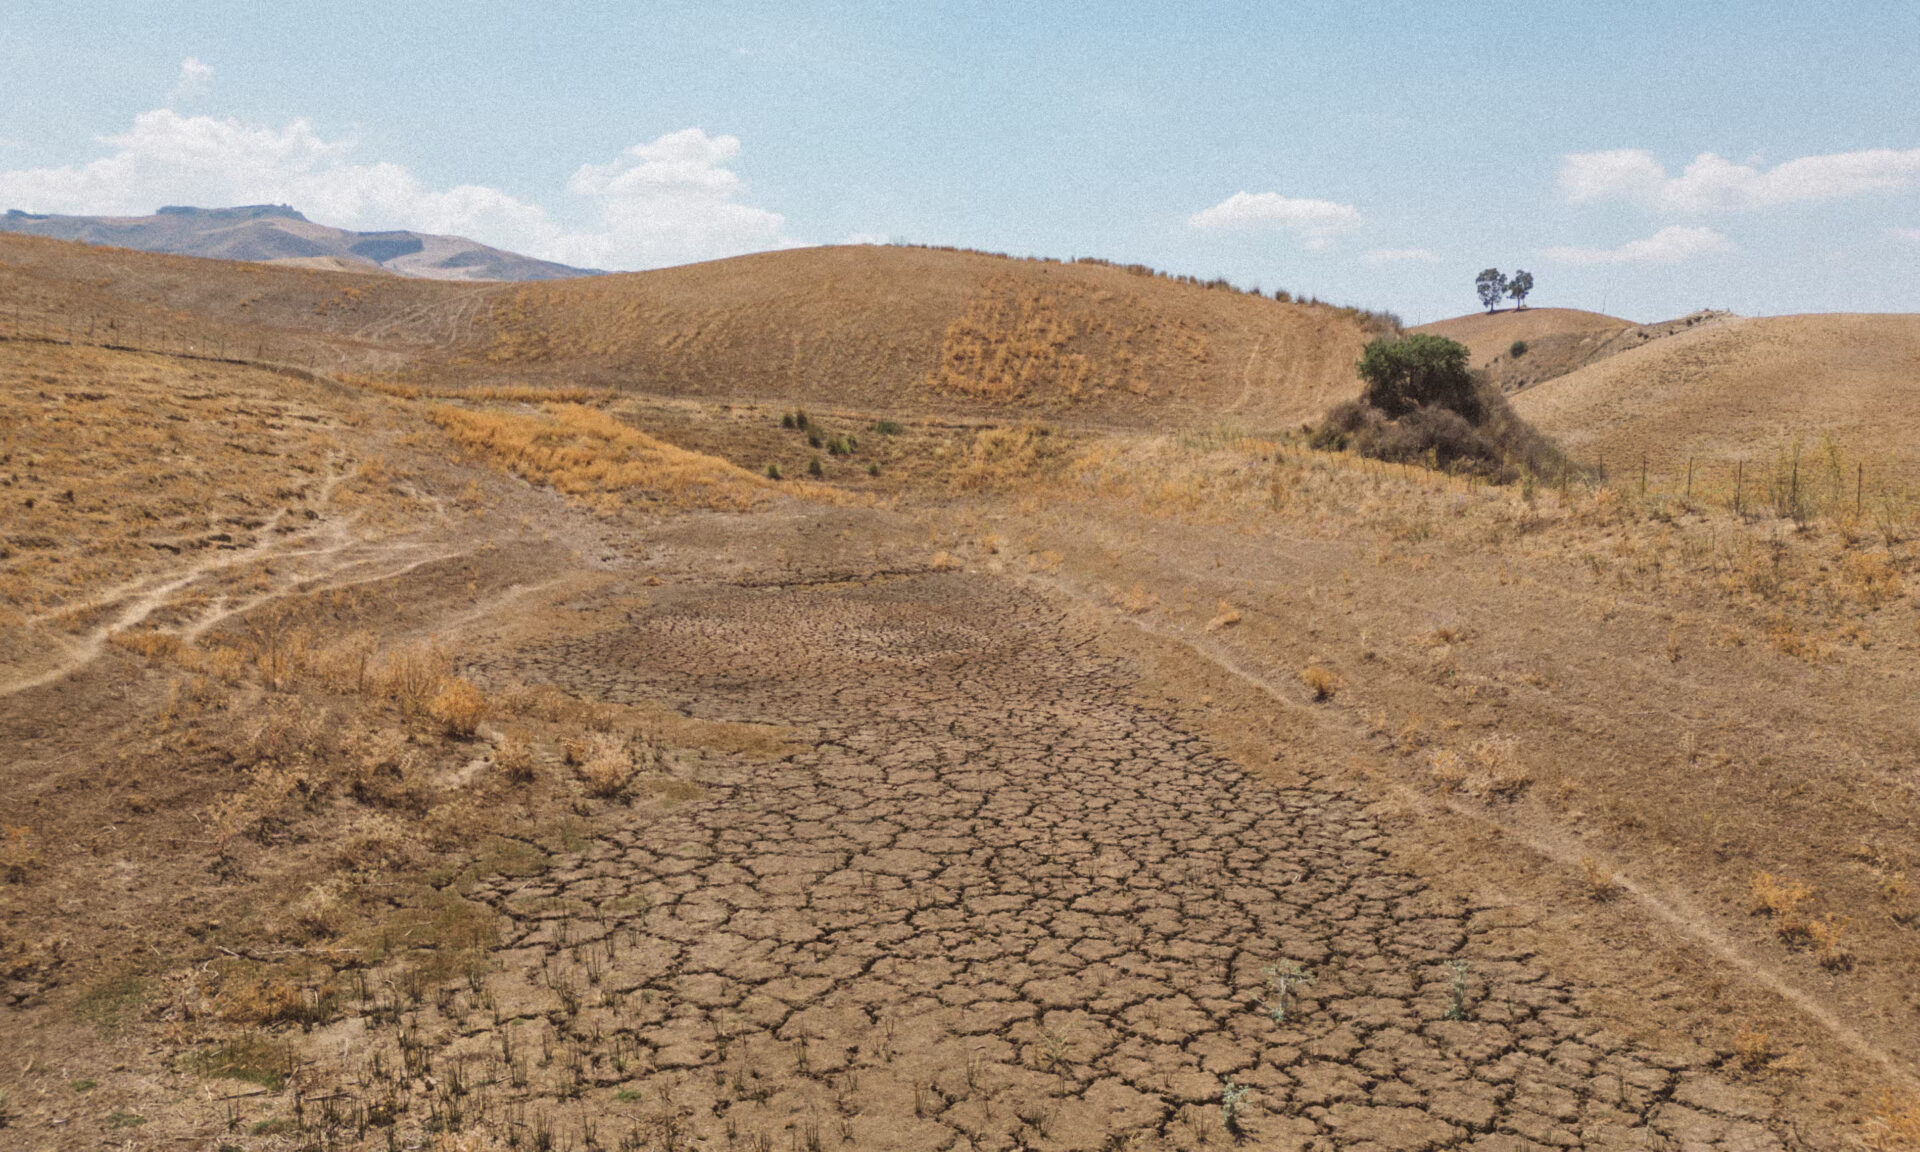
(1422, 405)
(1517, 349)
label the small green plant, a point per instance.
(800, 419)
(773, 471)
(1517, 349)
(629, 1095)
(813, 439)
(1457, 1010)
(1233, 1099)
(1283, 978)
(873, 469)
(786, 420)
(84, 1085)
(888, 428)
(814, 469)
(124, 1120)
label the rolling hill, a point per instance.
(1558, 340)
(276, 234)
(1744, 389)
(890, 329)
(939, 330)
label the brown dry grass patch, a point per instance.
(586, 452)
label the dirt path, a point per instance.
(1003, 901)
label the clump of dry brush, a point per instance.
(1422, 404)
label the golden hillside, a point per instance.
(891, 328)
(1746, 389)
(1490, 334)
(1558, 340)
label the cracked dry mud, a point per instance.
(1000, 901)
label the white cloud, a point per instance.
(1318, 221)
(196, 79)
(1670, 245)
(668, 201)
(1711, 182)
(1910, 235)
(865, 238)
(1396, 255)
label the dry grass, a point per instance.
(19, 854)
(1777, 897)
(1001, 459)
(606, 767)
(1227, 617)
(585, 452)
(1599, 881)
(482, 393)
(458, 707)
(116, 465)
(1894, 1124)
(1011, 344)
(1320, 681)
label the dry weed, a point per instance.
(411, 677)
(458, 708)
(18, 856)
(1753, 1049)
(1320, 681)
(1825, 934)
(1447, 768)
(1601, 883)
(1497, 772)
(1136, 600)
(514, 755)
(1228, 617)
(1777, 897)
(606, 768)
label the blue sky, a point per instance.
(1647, 159)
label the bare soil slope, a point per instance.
(1744, 389)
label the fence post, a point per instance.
(1689, 480)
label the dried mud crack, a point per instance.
(1000, 901)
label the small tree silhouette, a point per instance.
(1519, 286)
(1492, 286)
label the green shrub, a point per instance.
(1421, 404)
(1517, 349)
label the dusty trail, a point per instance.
(1003, 901)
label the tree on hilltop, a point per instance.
(1519, 286)
(1492, 286)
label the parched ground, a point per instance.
(1000, 899)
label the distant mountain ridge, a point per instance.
(277, 234)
